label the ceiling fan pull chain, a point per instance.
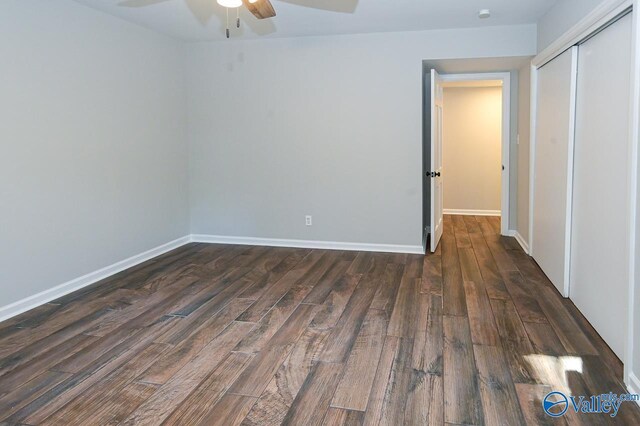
(237, 17)
(227, 22)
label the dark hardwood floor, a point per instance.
(212, 334)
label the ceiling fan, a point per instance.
(261, 9)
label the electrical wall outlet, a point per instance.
(308, 220)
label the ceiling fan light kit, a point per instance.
(261, 9)
(230, 4)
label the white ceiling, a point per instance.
(195, 20)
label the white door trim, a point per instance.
(505, 77)
(533, 106)
(571, 147)
(634, 132)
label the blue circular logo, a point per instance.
(555, 404)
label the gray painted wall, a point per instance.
(93, 160)
(561, 17)
(104, 174)
(327, 126)
(513, 151)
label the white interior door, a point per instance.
(436, 159)
(553, 167)
(599, 238)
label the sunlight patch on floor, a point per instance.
(553, 370)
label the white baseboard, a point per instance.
(472, 212)
(634, 385)
(520, 239)
(327, 245)
(41, 298)
(63, 289)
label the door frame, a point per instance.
(505, 77)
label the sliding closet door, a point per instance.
(553, 163)
(599, 240)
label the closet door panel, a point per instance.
(599, 239)
(553, 167)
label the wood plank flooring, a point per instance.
(236, 335)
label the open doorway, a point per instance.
(472, 147)
(467, 160)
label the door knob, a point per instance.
(437, 173)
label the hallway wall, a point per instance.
(472, 131)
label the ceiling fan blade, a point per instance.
(140, 3)
(261, 9)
